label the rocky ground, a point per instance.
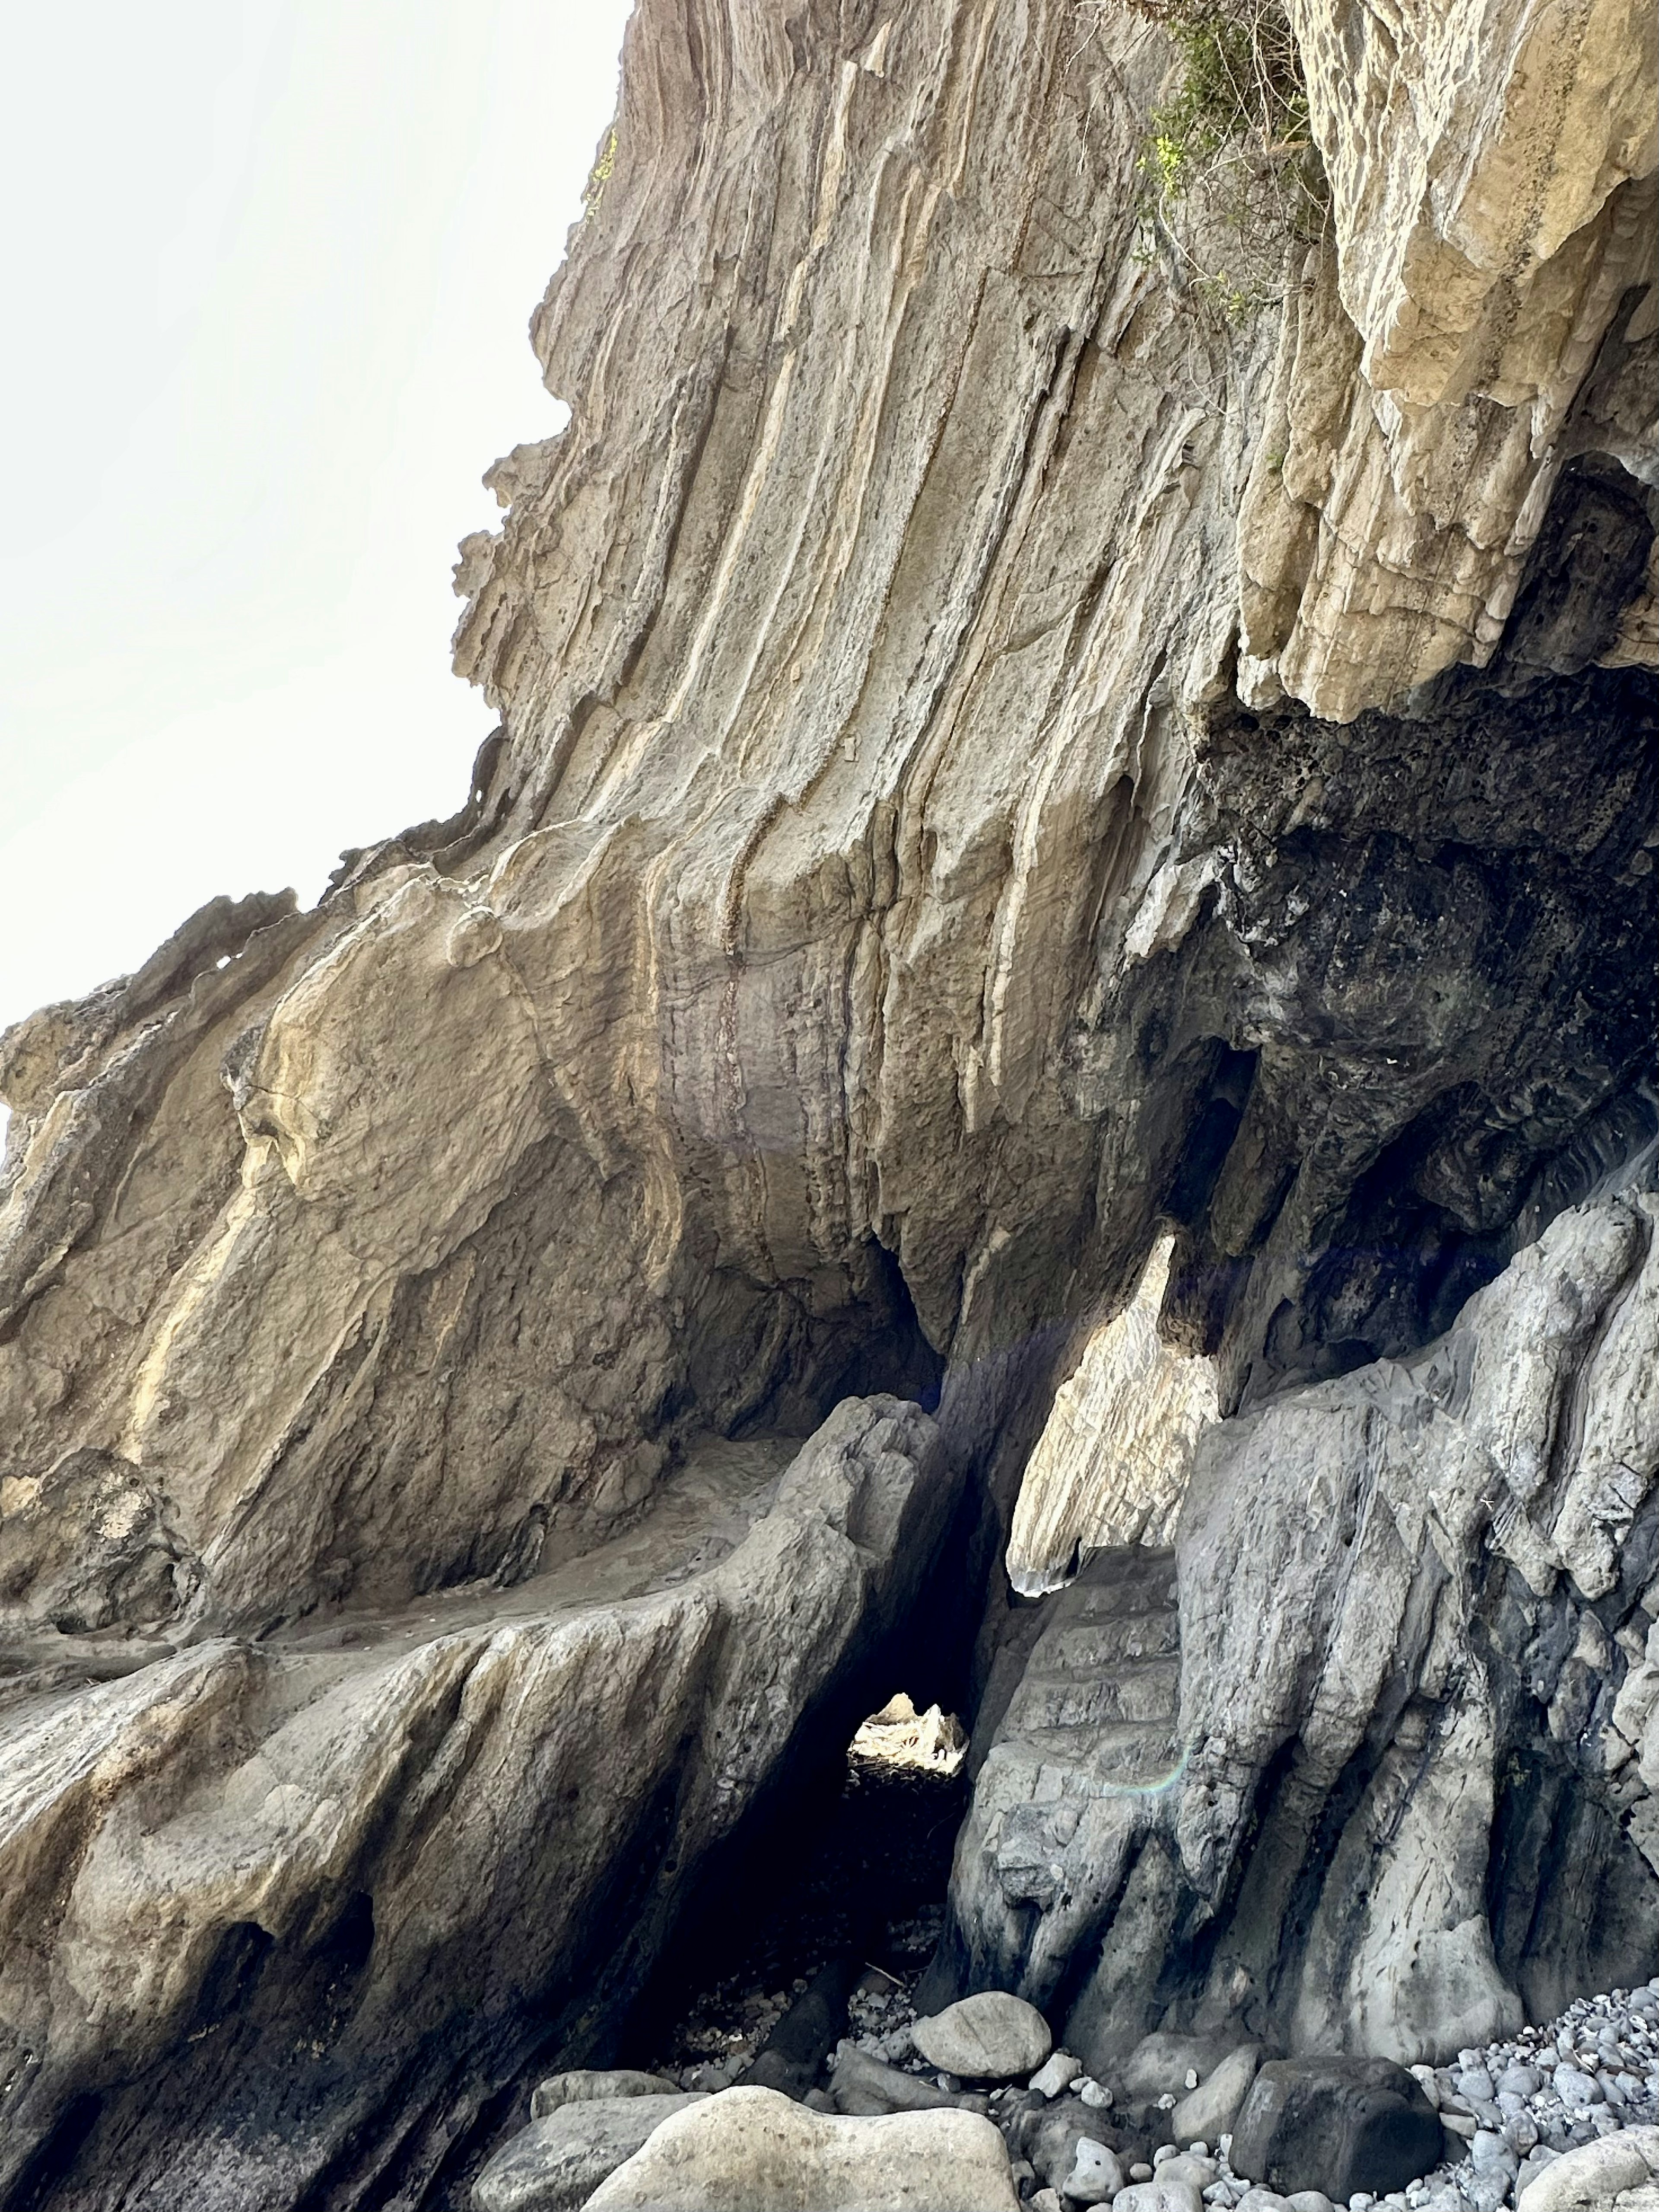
(1509, 2112)
(818, 2000)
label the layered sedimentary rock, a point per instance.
(1112, 1463)
(997, 763)
(282, 1916)
(1403, 1795)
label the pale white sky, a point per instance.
(271, 264)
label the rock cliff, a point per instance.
(998, 762)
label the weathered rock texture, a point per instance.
(1409, 1795)
(1111, 1465)
(280, 1917)
(994, 762)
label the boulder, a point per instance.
(1210, 2111)
(1049, 2138)
(863, 2085)
(556, 2162)
(749, 2148)
(1095, 2176)
(1339, 2124)
(583, 2084)
(1594, 2174)
(990, 2037)
(1057, 2072)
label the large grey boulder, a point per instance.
(752, 2150)
(1595, 2175)
(1339, 2124)
(558, 2160)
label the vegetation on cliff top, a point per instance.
(1231, 152)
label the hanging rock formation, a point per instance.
(997, 763)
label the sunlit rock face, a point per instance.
(997, 763)
(1112, 1462)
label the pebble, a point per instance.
(1056, 2073)
(1576, 2088)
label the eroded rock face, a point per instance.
(1404, 1803)
(996, 764)
(879, 910)
(281, 1917)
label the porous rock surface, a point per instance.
(997, 763)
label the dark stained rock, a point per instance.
(1339, 2124)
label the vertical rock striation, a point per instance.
(997, 763)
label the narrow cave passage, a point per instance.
(833, 1909)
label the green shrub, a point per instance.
(1231, 152)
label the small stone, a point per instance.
(1192, 2077)
(1158, 2194)
(1577, 2089)
(1202, 2171)
(1045, 2199)
(1492, 2154)
(1095, 2095)
(1096, 2177)
(1309, 2200)
(1057, 2072)
(991, 2037)
(1140, 2171)
(1431, 2083)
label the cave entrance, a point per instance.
(828, 1923)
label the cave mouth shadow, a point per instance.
(846, 1863)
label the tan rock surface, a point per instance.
(1112, 1462)
(747, 2147)
(406, 1833)
(906, 881)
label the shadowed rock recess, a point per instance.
(1000, 765)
